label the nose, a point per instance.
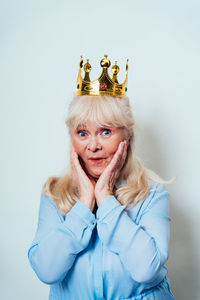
(94, 144)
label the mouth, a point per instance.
(97, 159)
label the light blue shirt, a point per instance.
(119, 253)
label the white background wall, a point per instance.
(40, 46)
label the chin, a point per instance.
(96, 174)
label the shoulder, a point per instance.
(45, 199)
(157, 201)
(48, 208)
(157, 192)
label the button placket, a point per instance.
(98, 274)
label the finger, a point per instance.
(73, 168)
(118, 154)
(74, 159)
(124, 154)
(78, 167)
(72, 153)
(71, 157)
(119, 157)
(124, 151)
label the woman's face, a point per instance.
(96, 146)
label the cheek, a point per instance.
(75, 143)
(112, 147)
(79, 147)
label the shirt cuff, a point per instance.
(83, 211)
(107, 206)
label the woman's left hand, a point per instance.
(105, 183)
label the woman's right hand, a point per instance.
(86, 185)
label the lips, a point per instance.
(96, 158)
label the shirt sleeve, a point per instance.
(142, 247)
(58, 241)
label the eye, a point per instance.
(81, 133)
(106, 131)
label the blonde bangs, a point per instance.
(101, 110)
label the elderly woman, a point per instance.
(103, 228)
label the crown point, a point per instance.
(105, 62)
(87, 67)
(115, 69)
(127, 67)
(81, 62)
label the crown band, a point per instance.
(104, 85)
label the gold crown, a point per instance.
(104, 85)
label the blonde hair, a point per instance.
(135, 178)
